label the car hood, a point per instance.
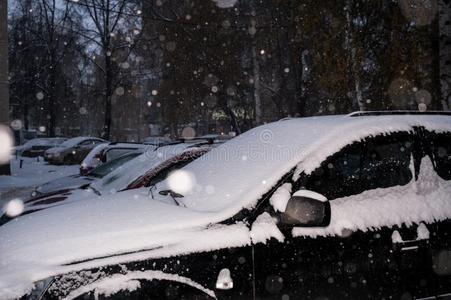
(128, 224)
(68, 182)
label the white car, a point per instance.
(108, 151)
(142, 171)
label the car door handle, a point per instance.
(406, 245)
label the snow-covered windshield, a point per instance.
(120, 178)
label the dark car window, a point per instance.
(376, 162)
(339, 175)
(112, 165)
(87, 142)
(387, 161)
(114, 153)
(441, 152)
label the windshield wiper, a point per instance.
(95, 191)
(173, 195)
(150, 190)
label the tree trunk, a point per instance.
(107, 98)
(256, 73)
(51, 105)
(257, 86)
(5, 169)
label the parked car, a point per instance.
(37, 147)
(79, 181)
(72, 151)
(106, 152)
(337, 207)
(145, 170)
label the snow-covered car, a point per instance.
(336, 207)
(143, 171)
(72, 151)
(37, 147)
(106, 152)
(79, 181)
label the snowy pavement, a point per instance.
(34, 172)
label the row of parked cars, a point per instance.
(60, 150)
(337, 207)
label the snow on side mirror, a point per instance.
(308, 209)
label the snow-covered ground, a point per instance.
(34, 172)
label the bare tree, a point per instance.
(105, 20)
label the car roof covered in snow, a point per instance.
(74, 141)
(255, 161)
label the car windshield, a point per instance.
(120, 178)
(112, 165)
(71, 142)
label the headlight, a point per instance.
(57, 154)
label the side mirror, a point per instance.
(308, 209)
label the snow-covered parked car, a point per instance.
(72, 151)
(337, 207)
(106, 152)
(67, 183)
(143, 171)
(37, 147)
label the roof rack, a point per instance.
(398, 112)
(132, 143)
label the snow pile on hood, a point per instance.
(97, 228)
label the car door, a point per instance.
(216, 274)
(354, 257)
(438, 148)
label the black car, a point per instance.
(37, 147)
(342, 207)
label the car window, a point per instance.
(112, 165)
(339, 175)
(114, 153)
(441, 152)
(387, 161)
(96, 142)
(376, 162)
(87, 142)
